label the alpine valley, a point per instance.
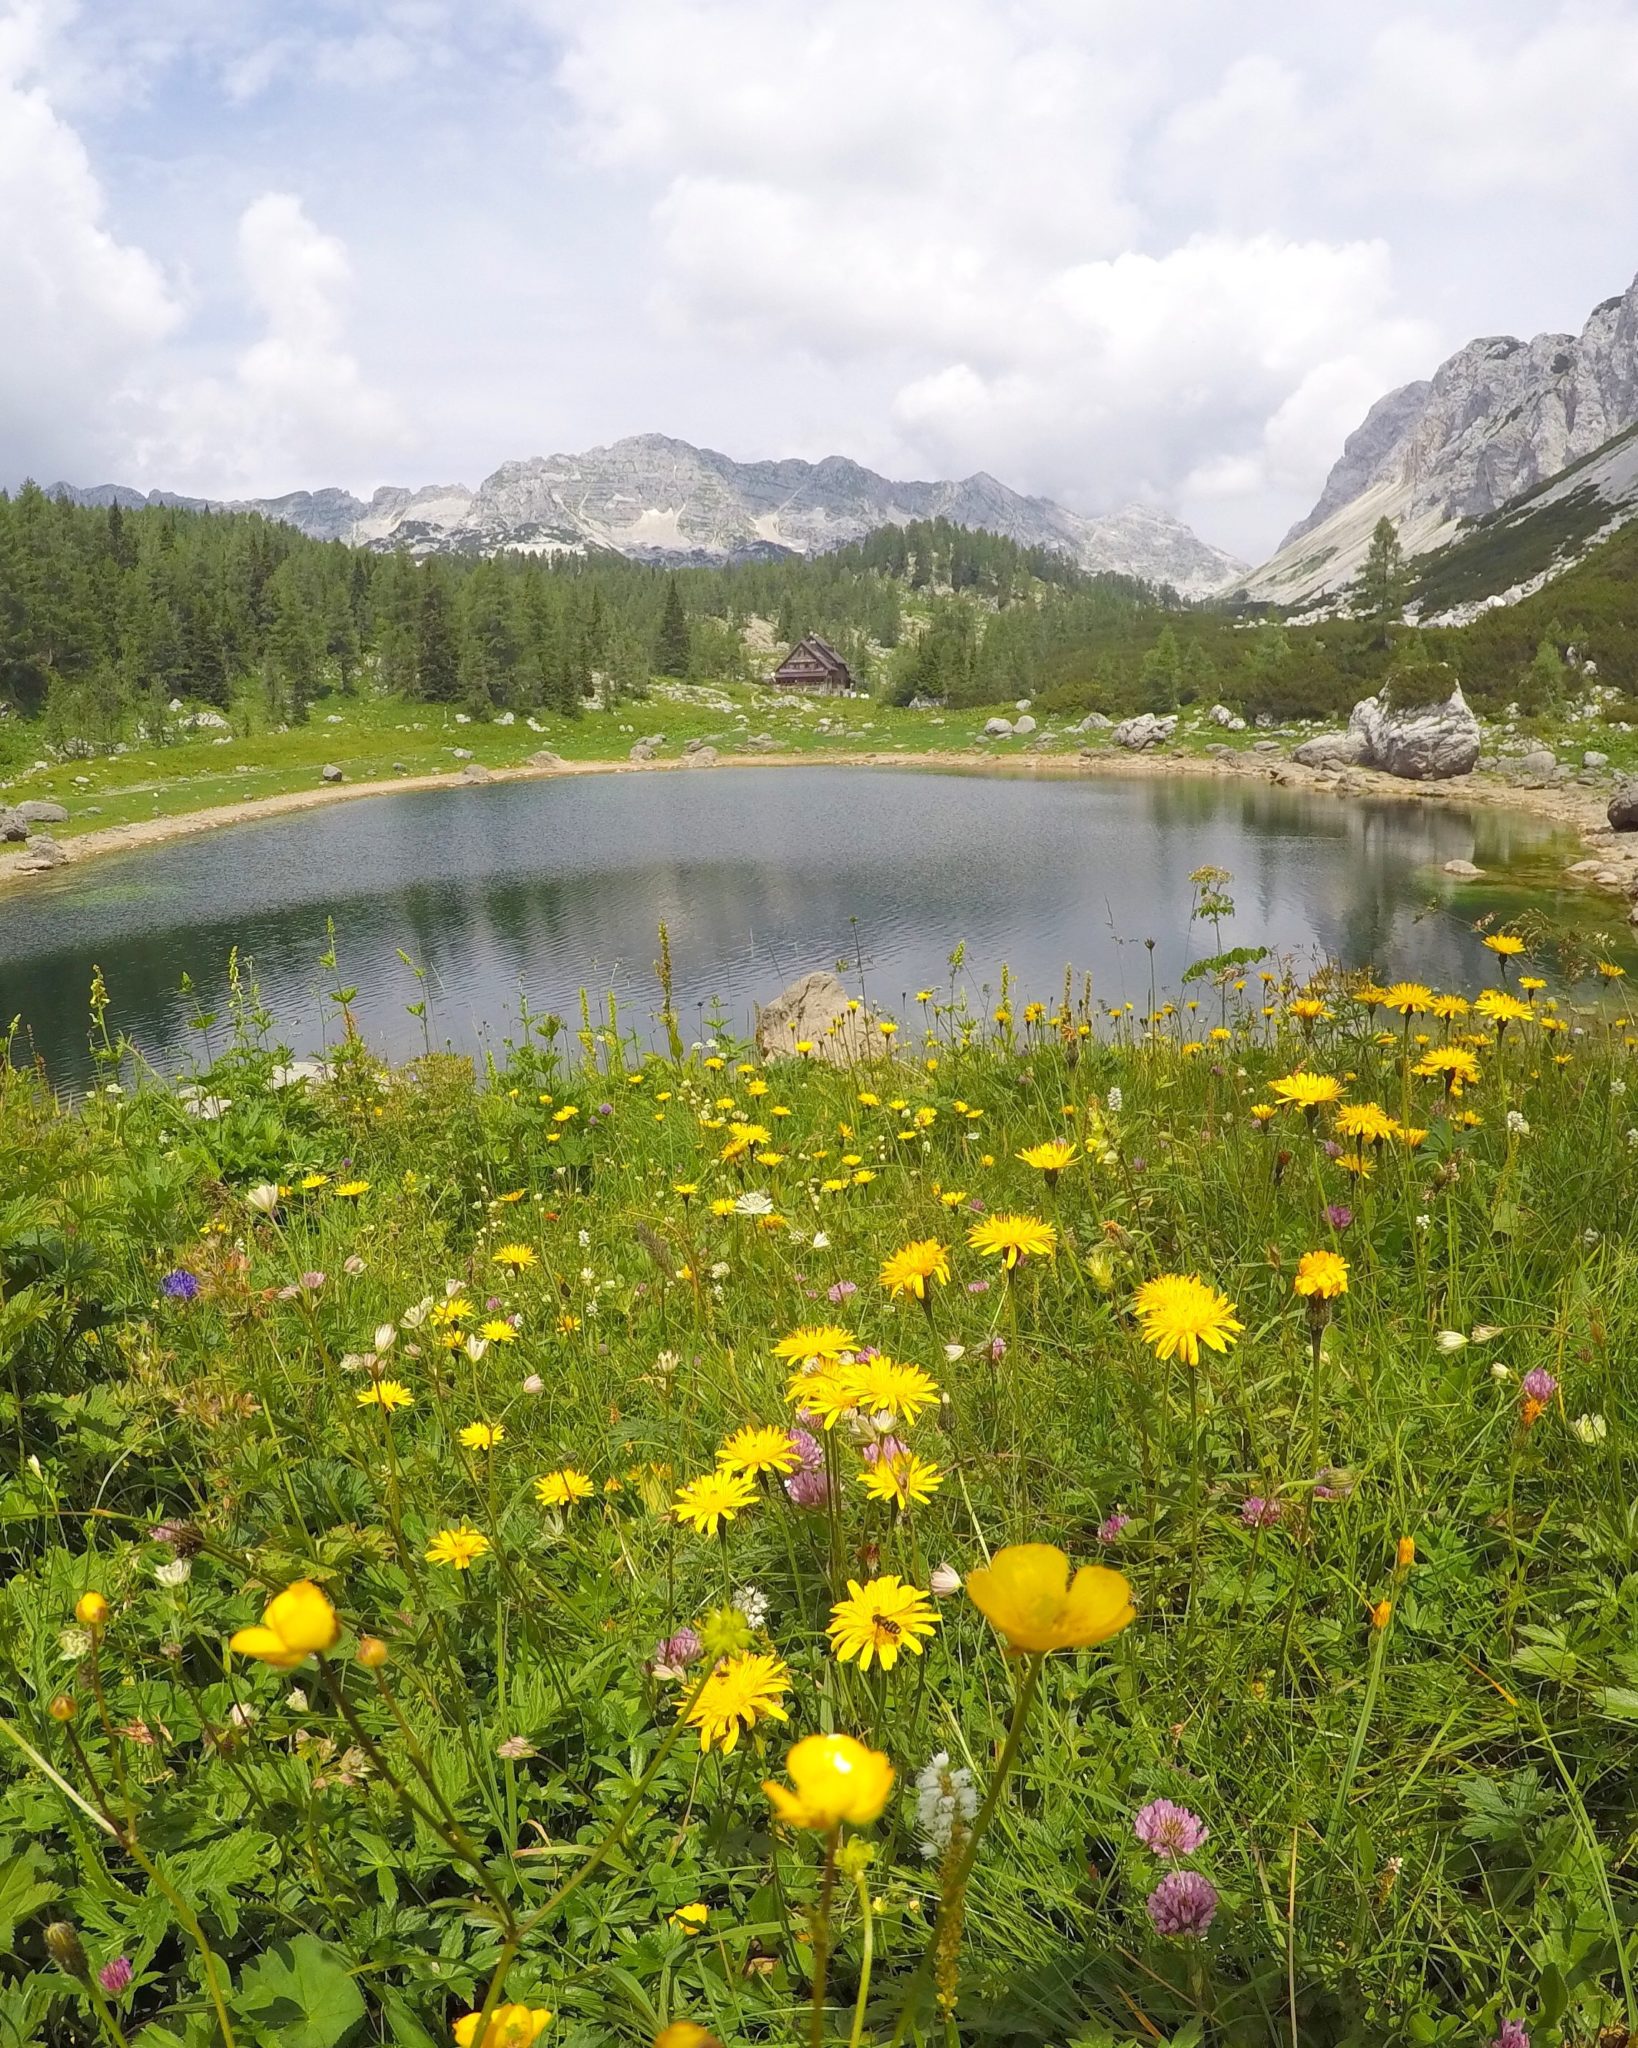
(657, 499)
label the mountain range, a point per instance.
(663, 500)
(1499, 470)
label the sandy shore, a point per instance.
(1576, 808)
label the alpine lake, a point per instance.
(482, 902)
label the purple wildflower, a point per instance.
(1258, 1513)
(1183, 1903)
(673, 1657)
(842, 1290)
(1538, 1385)
(995, 1350)
(605, 1109)
(888, 1447)
(180, 1284)
(1140, 1165)
(978, 1287)
(1339, 1215)
(1512, 2035)
(1110, 1527)
(115, 1976)
(809, 1485)
(312, 1281)
(1330, 1148)
(1169, 1829)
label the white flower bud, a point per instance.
(945, 1580)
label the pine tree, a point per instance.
(672, 649)
(437, 650)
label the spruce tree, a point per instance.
(671, 644)
(1383, 581)
(437, 649)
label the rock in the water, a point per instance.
(814, 1012)
(36, 811)
(475, 771)
(330, 773)
(1420, 742)
(1464, 868)
(998, 728)
(1623, 809)
(700, 757)
(1023, 726)
(1331, 750)
(1146, 730)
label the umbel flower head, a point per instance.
(1026, 1594)
(833, 1779)
(1178, 1312)
(295, 1624)
(509, 2026)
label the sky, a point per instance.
(1164, 251)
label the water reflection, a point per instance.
(535, 888)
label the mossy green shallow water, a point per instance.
(1379, 1544)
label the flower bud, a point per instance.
(945, 1581)
(1450, 1340)
(91, 1610)
(372, 1652)
(1381, 1614)
(386, 1335)
(63, 1708)
(1405, 1555)
(66, 1950)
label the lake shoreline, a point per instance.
(1578, 809)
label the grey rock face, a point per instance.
(1593, 759)
(37, 811)
(1024, 725)
(1331, 750)
(814, 1011)
(43, 852)
(1094, 721)
(1145, 730)
(544, 758)
(998, 728)
(642, 753)
(475, 771)
(331, 773)
(1421, 744)
(1463, 868)
(700, 756)
(1538, 764)
(654, 497)
(13, 826)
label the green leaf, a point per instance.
(22, 1891)
(301, 1994)
(1546, 1660)
(1620, 1702)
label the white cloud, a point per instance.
(80, 306)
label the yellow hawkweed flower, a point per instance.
(1012, 1238)
(759, 1448)
(1505, 945)
(878, 1620)
(295, 1625)
(888, 1388)
(1503, 1009)
(914, 1267)
(483, 1436)
(515, 1257)
(902, 1481)
(1365, 1120)
(739, 1693)
(460, 1547)
(1323, 1275)
(497, 1331)
(1050, 1158)
(822, 1342)
(563, 1488)
(1409, 998)
(1026, 1594)
(1178, 1312)
(1452, 1064)
(828, 1394)
(388, 1394)
(350, 1190)
(714, 1498)
(833, 1779)
(1306, 1091)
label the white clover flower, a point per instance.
(752, 1602)
(585, 1240)
(1517, 1127)
(945, 1798)
(1116, 1101)
(175, 1571)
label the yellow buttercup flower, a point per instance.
(741, 1692)
(834, 1778)
(878, 1620)
(714, 1498)
(91, 1610)
(1012, 1238)
(509, 2026)
(1026, 1594)
(295, 1625)
(1178, 1312)
(1323, 1275)
(684, 2033)
(915, 1267)
(689, 1919)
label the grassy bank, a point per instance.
(475, 1356)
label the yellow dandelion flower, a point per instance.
(1050, 1158)
(388, 1394)
(1409, 998)
(460, 1547)
(739, 1693)
(497, 1331)
(902, 1481)
(1012, 1238)
(483, 1436)
(817, 1343)
(915, 1267)
(1305, 1091)
(516, 1258)
(1178, 1312)
(878, 1620)
(563, 1488)
(1321, 1274)
(712, 1499)
(759, 1448)
(888, 1388)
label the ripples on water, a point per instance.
(537, 888)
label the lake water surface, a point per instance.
(536, 888)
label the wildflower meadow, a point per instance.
(1093, 1525)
